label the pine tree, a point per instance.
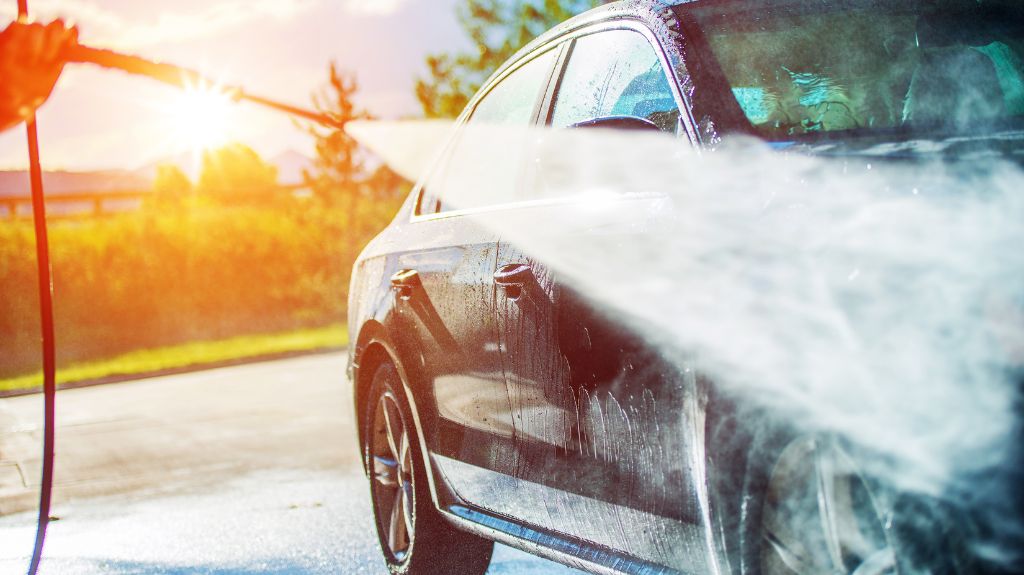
(363, 199)
(338, 167)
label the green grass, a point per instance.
(193, 354)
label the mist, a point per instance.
(876, 300)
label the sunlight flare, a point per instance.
(202, 118)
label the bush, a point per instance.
(160, 277)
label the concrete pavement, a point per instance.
(167, 433)
(234, 471)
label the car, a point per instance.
(497, 403)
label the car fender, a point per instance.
(373, 348)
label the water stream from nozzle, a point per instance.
(863, 297)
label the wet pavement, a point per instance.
(268, 522)
(240, 470)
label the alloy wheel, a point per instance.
(820, 516)
(392, 477)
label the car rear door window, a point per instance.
(614, 73)
(483, 167)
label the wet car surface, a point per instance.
(498, 401)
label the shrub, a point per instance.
(159, 277)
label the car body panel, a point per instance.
(497, 424)
(549, 425)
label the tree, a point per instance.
(235, 170)
(338, 166)
(363, 201)
(497, 29)
(170, 186)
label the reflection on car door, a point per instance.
(597, 415)
(453, 296)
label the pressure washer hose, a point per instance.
(184, 78)
(168, 74)
(46, 317)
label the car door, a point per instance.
(444, 290)
(597, 415)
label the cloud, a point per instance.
(107, 26)
(373, 7)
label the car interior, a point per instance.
(792, 74)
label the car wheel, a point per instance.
(820, 515)
(414, 538)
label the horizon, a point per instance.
(14, 182)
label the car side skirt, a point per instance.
(552, 546)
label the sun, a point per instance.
(201, 118)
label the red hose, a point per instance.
(46, 317)
(169, 74)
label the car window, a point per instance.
(843, 70)
(614, 73)
(483, 166)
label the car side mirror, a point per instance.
(619, 123)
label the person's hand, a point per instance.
(31, 60)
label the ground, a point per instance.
(249, 469)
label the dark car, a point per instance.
(497, 403)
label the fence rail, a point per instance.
(106, 203)
(95, 203)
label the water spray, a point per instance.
(865, 299)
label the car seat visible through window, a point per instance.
(954, 87)
(649, 96)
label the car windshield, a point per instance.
(819, 68)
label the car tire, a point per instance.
(414, 538)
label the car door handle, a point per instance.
(404, 281)
(512, 277)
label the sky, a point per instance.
(101, 119)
